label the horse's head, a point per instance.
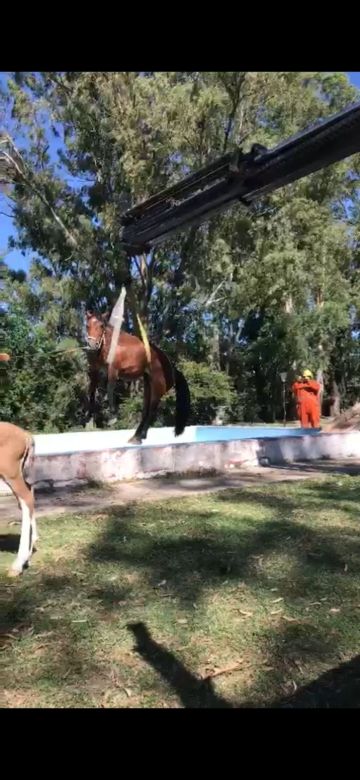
(95, 329)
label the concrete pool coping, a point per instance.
(99, 440)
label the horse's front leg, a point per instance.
(112, 379)
(94, 379)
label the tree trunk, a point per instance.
(335, 399)
(320, 379)
(215, 347)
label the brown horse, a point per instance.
(130, 362)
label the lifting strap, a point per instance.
(117, 318)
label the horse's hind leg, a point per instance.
(25, 497)
(142, 428)
(151, 417)
(152, 412)
(34, 533)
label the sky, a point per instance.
(15, 259)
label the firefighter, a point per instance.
(307, 393)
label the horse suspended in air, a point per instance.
(130, 362)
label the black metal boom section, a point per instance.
(240, 177)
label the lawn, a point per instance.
(242, 598)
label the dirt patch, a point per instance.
(87, 500)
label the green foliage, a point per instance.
(129, 410)
(42, 390)
(211, 391)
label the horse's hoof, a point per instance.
(14, 572)
(134, 440)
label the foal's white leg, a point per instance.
(24, 550)
(34, 533)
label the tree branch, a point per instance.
(15, 168)
(235, 98)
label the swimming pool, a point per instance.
(233, 432)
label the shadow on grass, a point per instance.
(206, 556)
(319, 466)
(339, 687)
(336, 493)
(192, 691)
(307, 496)
(191, 550)
(9, 542)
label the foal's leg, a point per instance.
(34, 533)
(25, 497)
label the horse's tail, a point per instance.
(183, 402)
(28, 462)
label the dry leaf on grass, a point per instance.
(224, 670)
(160, 584)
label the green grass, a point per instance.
(132, 607)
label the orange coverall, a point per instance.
(307, 402)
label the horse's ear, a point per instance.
(106, 316)
(88, 315)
